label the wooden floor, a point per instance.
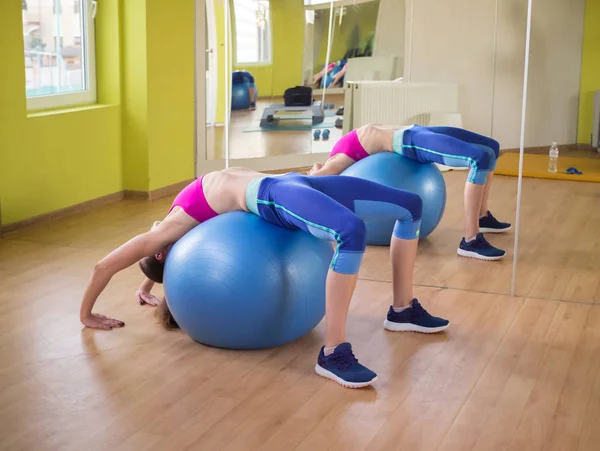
(518, 373)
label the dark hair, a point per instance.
(152, 268)
(164, 317)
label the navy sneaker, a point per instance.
(489, 224)
(480, 248)
(414, 319)
(342, 367)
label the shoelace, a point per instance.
(418, 310)
(345, 360)
(481, 241)
(490, 216)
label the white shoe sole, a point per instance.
(329, 375)
(486, 230)
(408, 327)
(470, 254)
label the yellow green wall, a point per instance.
(54, 160)
(140, 136)
(134, 98)
(170, 92)
(590, 69)
(362, 18)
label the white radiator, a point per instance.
(398, 103)
(596, 124)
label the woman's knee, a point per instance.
(495, 146)
(352, 242)
(354, 234)
(413, 204)
(484, 157)
(408, 226)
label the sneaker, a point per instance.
(414, 319)
(342, 367)
(489, 224)
(480, 248)
(252, 107)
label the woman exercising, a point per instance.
(450, 146)
(322, 206)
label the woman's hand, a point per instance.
(97, 321)
(145, 297)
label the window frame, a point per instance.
(88, 54)
(269, 61)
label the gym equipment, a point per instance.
(275, 113)
(238, 282)
(240, 91)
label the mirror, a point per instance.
(463, 71)
(558, 247)
(266, 62)
(339, 37)
(430, 64)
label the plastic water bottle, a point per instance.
(553, 159)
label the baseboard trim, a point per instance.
(157, 193)
(93, 203)
(62, 213)
(561, 148)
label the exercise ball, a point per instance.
(239, 282)
(396, 171)
(240, 89)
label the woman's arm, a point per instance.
(144, 294)
(143, 245)
(334, 166)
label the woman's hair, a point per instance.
(152, 268)
(164, 316)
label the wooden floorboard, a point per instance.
(518, 373)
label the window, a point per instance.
(252, 31)
(59, 53)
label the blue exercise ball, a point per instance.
(241, 82)
(238, 282)
(396, 171)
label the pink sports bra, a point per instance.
(192, 200)
(350, 145)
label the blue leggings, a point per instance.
(328, 208)
(450, 146)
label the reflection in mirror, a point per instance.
(270, 116)
(462, 80)
(339, 43)
(558, 253)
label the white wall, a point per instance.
(555, 72)
(390, 32)
(480, 44)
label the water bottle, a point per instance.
(553, 159)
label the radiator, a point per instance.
(398, 103)
(596, 123)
